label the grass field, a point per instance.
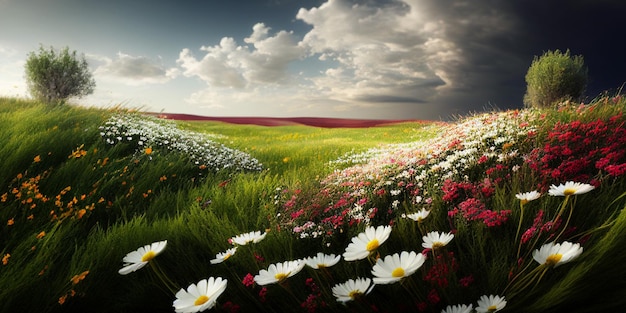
(82, 188)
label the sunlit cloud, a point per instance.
(261, 60)
(133, 70)
(373, 54)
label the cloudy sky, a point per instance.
(379, 59)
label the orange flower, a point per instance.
(79, 152)
(148, 151)
(10, 222)
(5, 259)
(77, 278)
(37, 159)
(62, 299)
(163, 178)
(80, 213)
(41, 234)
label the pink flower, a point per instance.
(248, 280)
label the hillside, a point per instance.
(114, 211)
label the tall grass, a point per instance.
(74, 204)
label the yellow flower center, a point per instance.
(201, 300)
(321, 265)
(372, 245)
(148, 256)
(354, 294)
(553, 259)
(227, 256)
(398, 272)
(280, 276)
(437, 245)
(569, 191)
(492, 308)
(524, 201)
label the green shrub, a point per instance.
(555, 76)
(54, 76)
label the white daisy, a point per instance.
(244, 239)
(397, 266)
(528, 196)
(570, 188)
(140, 257)
(278, 272)
(418, 216)
(200, 297)
(352, 289)
(435, 240)
(322, 260)
(366, 242)
(223, 256)
(459, 308)
(490, 303)
(552, 254)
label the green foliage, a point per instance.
(68, 259)
(54, 76)
(553, 77)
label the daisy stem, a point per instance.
(569, 216)
(525, 281)
(169, 284)
(286, 287)
(561, 209)
(514, 279)
(411, 289)
(519, 227)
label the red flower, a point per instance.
(248, 280)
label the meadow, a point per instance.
(117, 211)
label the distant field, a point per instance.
(284, 121)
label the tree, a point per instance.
(553, 77)
(54, 76)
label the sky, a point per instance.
(366, 59)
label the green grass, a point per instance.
(73, 203)
(38, 144)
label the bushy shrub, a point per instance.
(555, 76)
(54, 76)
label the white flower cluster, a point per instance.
(490, 136)
(154, 133)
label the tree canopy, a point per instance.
(57, 75)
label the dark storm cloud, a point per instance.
(498, 40)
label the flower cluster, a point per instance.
(454, 193)
(579, 151)
(404, 178)
(149, 134)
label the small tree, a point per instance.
(54, 76)
(553, 77)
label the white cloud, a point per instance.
(263, 61)
(133, 70)
(388, 53)
(411, 53)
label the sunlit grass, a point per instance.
(73, 205)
